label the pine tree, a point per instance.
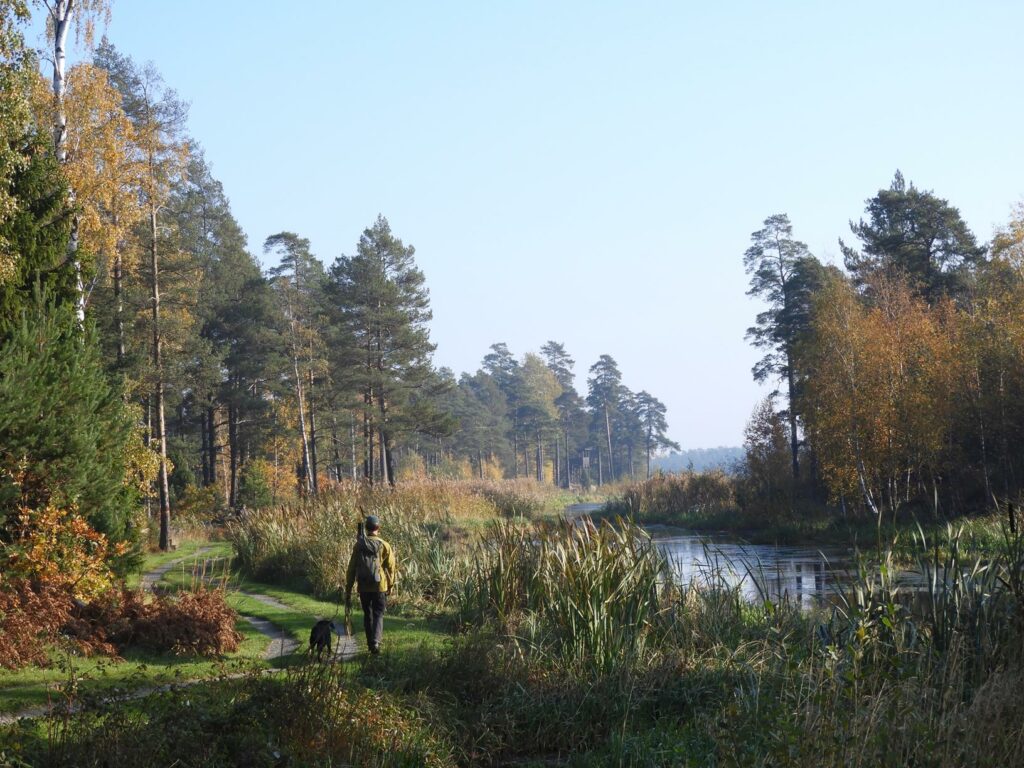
(380, 300)
(916, 235)
(785, 275)
(65, 433)
(650, 414)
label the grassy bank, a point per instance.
(705, 503)
(554, 645)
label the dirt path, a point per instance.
(150, 579)
(282, 643)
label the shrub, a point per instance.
(30, 618)
(194, 623)
(254, 491)
(199, 506)
(57, 547)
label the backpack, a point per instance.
(367, 562)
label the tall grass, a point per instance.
(308, 543)
(680, 498)
(589, 595)
(908, 666)
(311, 715)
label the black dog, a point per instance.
(320, 638)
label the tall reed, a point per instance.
(588, 594)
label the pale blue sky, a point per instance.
(590, 172)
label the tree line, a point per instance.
(902, 376)
(212, 382)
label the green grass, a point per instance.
(186, 552)
(553, 668)
(33, 686)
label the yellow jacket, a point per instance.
(388, 567)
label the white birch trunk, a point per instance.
(158, 365)
(61, 13)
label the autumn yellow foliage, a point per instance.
(58, 548)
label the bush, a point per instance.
(191, 623)
(254, 491)
(200, 505)
(30, 618)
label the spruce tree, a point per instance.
(65, 434)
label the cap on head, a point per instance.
(372, 522)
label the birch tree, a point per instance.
(102, 164)
(158, 119)
(62, 16)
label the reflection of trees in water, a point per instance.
(760, 572)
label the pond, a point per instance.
(805, 574)
(802, 574)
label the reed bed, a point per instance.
(575, 648)
(430, 522)
(583, 643)
(587, 594)
(677, 498)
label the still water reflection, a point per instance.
(801, 574)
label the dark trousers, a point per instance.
(374, 604)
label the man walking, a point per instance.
(373, 569)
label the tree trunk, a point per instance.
(540, 459)
(367, 438)
(568, 474)
(119, 307)
(307, 486)
(352, 443)
(557, 478)
(387, 459)
(314, 485)
(336, 447)
(204, 449)
(233, 463)
(794, 445)
(60, 14)
(158, 369)
(211, 432)
(608, 430)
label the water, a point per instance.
(802, 574)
